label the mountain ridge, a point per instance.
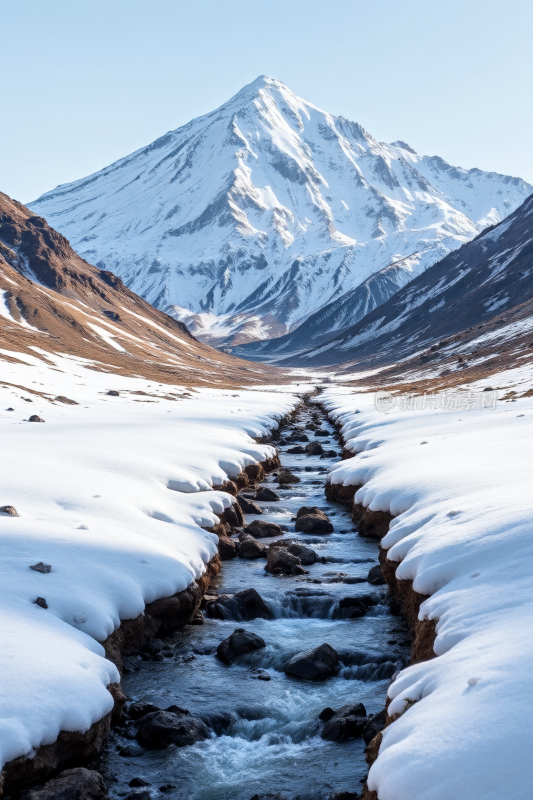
(249, 219)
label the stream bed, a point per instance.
(265, 727)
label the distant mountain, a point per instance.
(53, 302)
(472, 309)
(250, 219)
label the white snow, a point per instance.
(113, 493)
(462, 532)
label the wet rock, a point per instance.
(41, 602)
(245, 605)
(241, 641)
(277, 796)
(285, 477)
(326, 713)
(198, 619)
(306, 555)
(131, 751)
(167, 787)
(227, 486)
(140, 709)
(264, 493)
(316, 664)
(159, 729)
(135, 782)
(345, 796)
(299, 570)
(347, 722)
(310, 519)
(322, 433)
(35, 418)
(227, 548)
(113, 393)
(298, 437)
(40, 567)
(298, 450)
(281, 562)
(261, 529)
(329, 454)
(62, 399)
(374, 725)
(250, 548)
(72, 784)
(375, 576)
(314, 449)
(248, 506)
(233, 516)
(255, 472)
(10, 510)
(264, 676)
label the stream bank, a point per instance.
(266, 728)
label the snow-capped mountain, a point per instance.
(475, 304)
(246, 221)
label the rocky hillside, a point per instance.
(250, 219)
(470, 314)
(52, 301)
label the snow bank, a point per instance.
(459, 484)
(95, 488)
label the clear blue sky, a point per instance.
(85, 82)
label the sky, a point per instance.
(87, 82)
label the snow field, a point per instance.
(459, 485)
(113, 493)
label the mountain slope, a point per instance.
(473, 309)
(52, 301)
(251, 218)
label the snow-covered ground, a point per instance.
(459, 485)
(112, 493)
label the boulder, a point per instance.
(277, 796)
(374, 725)
(250, 548)
(241, 641)
(313, 665)
(72, 784)
(245, 605)
(227, 548)
(285, 477)
(233, 516)
(131, 751)
(159, 729)
(9, 510)
(314, 449)
(228, 486)
(248, 506)
(264, 493)
(306, 555)
(263, 530)
(298, 450)
(356, 606)
(347, 722)
(322, 433)
(298, 437)
(138, 782)
(310, 519)
(375, 576)
(140, 709)
(35, 418)
(255, 472)
(281, 562)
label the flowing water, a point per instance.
(266, 733)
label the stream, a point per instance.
(265, 731)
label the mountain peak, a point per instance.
(255, 215)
